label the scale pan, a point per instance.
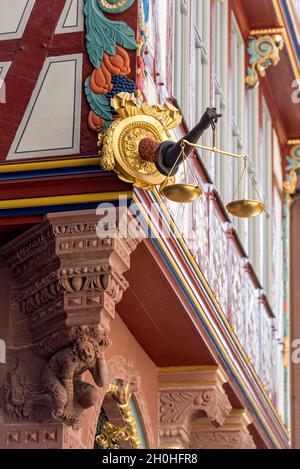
(245, 208)
(181, 192)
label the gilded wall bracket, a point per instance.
(292, 166)
(264, 50)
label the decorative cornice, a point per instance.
(264, 48)
(210, 373)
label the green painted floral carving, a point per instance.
(115, 6)
(103, 34)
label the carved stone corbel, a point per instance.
(67, 280)
(233, 434)
(186, 393)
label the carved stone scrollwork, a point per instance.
(222, 440)
(67, 281)
(185, 393)
(175, 405)
(232, 435)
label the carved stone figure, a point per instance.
(62, 378)
(53, 390)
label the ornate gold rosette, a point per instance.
(120, 144)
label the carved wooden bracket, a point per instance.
(67, 280)
(186, 393)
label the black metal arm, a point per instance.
(168, 152)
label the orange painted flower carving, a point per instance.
(95, 122)
(100, 81)
(118, 64)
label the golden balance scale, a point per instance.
(119, 151)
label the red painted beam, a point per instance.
(11, 227)
(61, 185)
(19, 221)
(261, 14)
(8, 49)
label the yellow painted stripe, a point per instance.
(288, 41)
(220, 311)
(208, 324)
(62, 200)
(39, 165)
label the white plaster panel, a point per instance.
(14, 15)
(51, 123)
(4, 66)
(72, 17)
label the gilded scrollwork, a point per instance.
(115, 6)
(128, 105)
(107, 160)
(112, 435)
